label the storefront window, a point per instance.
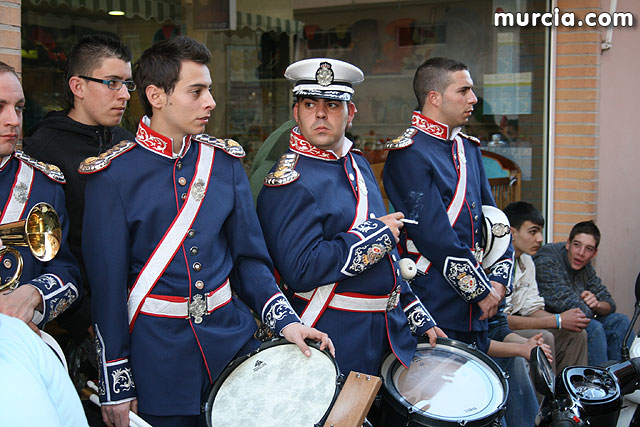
(386, 40)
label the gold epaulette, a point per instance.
(285, 172)
(95, 164)
(52, 171)
(230, 146)
(470, 138)
(402, 141)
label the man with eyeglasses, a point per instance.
(97, 82)
(566, 279)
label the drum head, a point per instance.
(450, 383)
(275, 386)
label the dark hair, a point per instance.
(585, 227)
(6, 68)
(87, 55)
(433, 74)
(519, 212)
(160, 65)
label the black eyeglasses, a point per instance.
(113, 84)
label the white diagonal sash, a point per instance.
(461, 189)
(362, 207)
(321, 296)
(173, 238)
(19, 194)
(453, 211)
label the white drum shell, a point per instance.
(276, 386)
(451, 385)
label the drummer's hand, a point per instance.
(118, 415)
(433, 335)
(297, 332)
(21, 302)
(489, 305)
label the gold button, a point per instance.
(473, 204)
(179, 165)
(197, 266)
(183, 196)
(475, 218)
(182, 181)
(191, 233)
(199, 284)
(7, 263)
(194, 250)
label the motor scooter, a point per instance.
(588, 395)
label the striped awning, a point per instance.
(160, 11)
(268, 23)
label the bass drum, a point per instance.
(451, 384)
(274, 386)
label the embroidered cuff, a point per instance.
(502, 272)
(116, 378)
(420, 321)
(469, 281)
(57, 296)
(278, 313)
(376, 240)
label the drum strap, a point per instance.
(174, 236)
(453, 211)
(19, 194)
(323, 295)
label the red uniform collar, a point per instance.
(157, 142)
(432, 127)
(298, 144)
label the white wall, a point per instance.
(618, 261)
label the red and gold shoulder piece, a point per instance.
(95, 164)
(285, 172)
(52, 171)
(403, 141)
(231, 147)
(357, 151)
(470, 138)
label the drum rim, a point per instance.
(231, 366)
(392, 396)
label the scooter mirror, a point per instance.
(543, 378)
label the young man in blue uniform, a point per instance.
(434, 174)
(328, 232)
(46, 288)
(169, 231)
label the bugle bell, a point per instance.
(40, 232)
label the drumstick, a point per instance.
(409, 221)
(134, 419)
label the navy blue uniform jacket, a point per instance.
(130, 204)
(309, 229)
(57, 280)
(420, 177)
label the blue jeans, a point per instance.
(604, 338)
(522, 405)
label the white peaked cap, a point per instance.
(324, 78)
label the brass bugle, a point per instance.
(40, 232)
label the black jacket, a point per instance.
(62, 141)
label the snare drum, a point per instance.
(451, 384)
(274, 386)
